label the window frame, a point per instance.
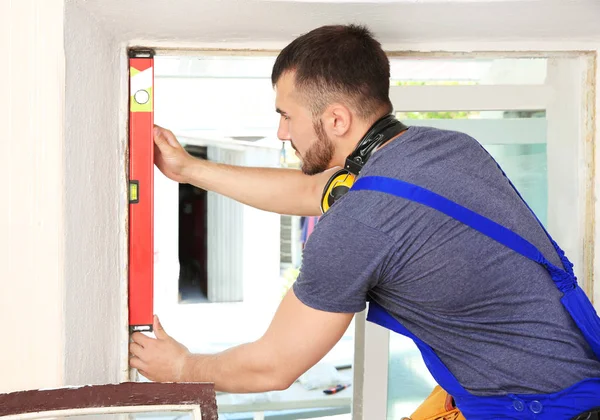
(372, 342)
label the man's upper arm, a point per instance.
(299, 336)
(335, 278)
(342, 261)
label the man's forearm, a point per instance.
(278, 190)
(241, 369)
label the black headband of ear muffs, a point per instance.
(384, 129)
(381, 131)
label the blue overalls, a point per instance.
(566, 404)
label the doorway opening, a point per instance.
(193, 282)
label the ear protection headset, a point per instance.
(382, 130)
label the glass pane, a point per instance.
(409, 381)
(214, 67)
(526, 166)
(468, 71)
(484, 71)
(517, 141)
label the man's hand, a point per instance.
(169, 156)
(162, 359)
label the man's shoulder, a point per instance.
(430, 132)
(346, 216)
(421, 146)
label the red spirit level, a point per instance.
(141, 189)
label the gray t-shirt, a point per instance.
(492, 316)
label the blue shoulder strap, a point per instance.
(474, 220)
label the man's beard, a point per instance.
(319, 155)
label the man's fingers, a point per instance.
(145, 375)
(159, 139)
(137, 363)
(135, 349)
(159, 330)
(141, 339)
(163, 137)
(171, 138)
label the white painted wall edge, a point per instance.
(123, 150)
(95, 189)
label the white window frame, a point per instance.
(567, 97)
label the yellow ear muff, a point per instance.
(337, 186)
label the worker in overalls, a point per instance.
(419, 222)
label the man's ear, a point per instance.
(337, 120)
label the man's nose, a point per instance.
(283, 133)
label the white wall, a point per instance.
(95, 189)
(32, 81)
(63, 261)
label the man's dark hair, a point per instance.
(342, 63)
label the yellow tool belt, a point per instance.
(439, 405)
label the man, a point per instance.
(432, 234)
